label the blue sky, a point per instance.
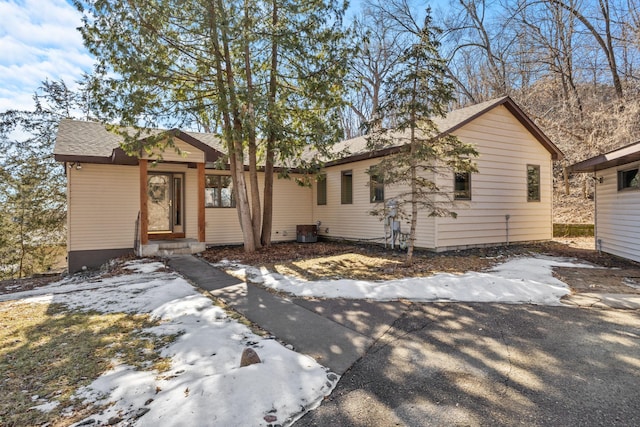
(38, 40)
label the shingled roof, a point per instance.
(92, 142)
(355, 149)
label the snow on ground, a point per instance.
(521, 280)
(205, 385)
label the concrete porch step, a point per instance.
(172, 247)
(173, 244)
(175, 251)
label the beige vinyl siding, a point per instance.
(353, 221)
(499, 188)
(291, 207)
(188, 153)
(103, 204)
(104, 201)
(617, 230)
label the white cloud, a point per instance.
(38, 40)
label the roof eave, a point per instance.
(509, 104)
(211, 154)
(621, 156)
(514, 109)
(82, 158)
(363, 156)
(543, 139)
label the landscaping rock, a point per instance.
(249, 357)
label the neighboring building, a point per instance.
(114, 200)
(617, 200)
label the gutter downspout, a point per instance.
(506, 218)
(598, 242)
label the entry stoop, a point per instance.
(172, 247)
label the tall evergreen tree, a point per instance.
(263, 74)
(32, 194)
(417, 93)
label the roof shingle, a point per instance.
(92, 139)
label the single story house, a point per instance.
(183, 203)
(508, 200)
(617, 200)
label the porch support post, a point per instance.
(144, 217)
(201, 221)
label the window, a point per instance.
(533, 183)
(376, 186)
(321, 188)
(218, 192)
(628, 179)
(462, 186)
(177, 197)
(346, 188)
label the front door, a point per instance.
(165, 203)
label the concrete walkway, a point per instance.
(336, 333)
(593, 300)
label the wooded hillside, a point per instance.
(572, 65)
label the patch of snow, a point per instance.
(631, 283)
(205, 385)
(46, 407)
(141, 266)
(522, 280)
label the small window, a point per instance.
(321, 187)
(376, 186)
(462, 186)
(177, 196)
(628, 179)
(533, 183)
(346, 188)
(218, 192)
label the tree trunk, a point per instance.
(414, 177)
(223, 103)
(242, 202)
(23, 249)
(251, 131)
(267, 220)
(414, 202)
(606, 46)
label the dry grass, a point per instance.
(573, 208)
(47, 352)
(335, 260)
(331, 260)
(338, 266)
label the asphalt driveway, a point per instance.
(493, 364)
